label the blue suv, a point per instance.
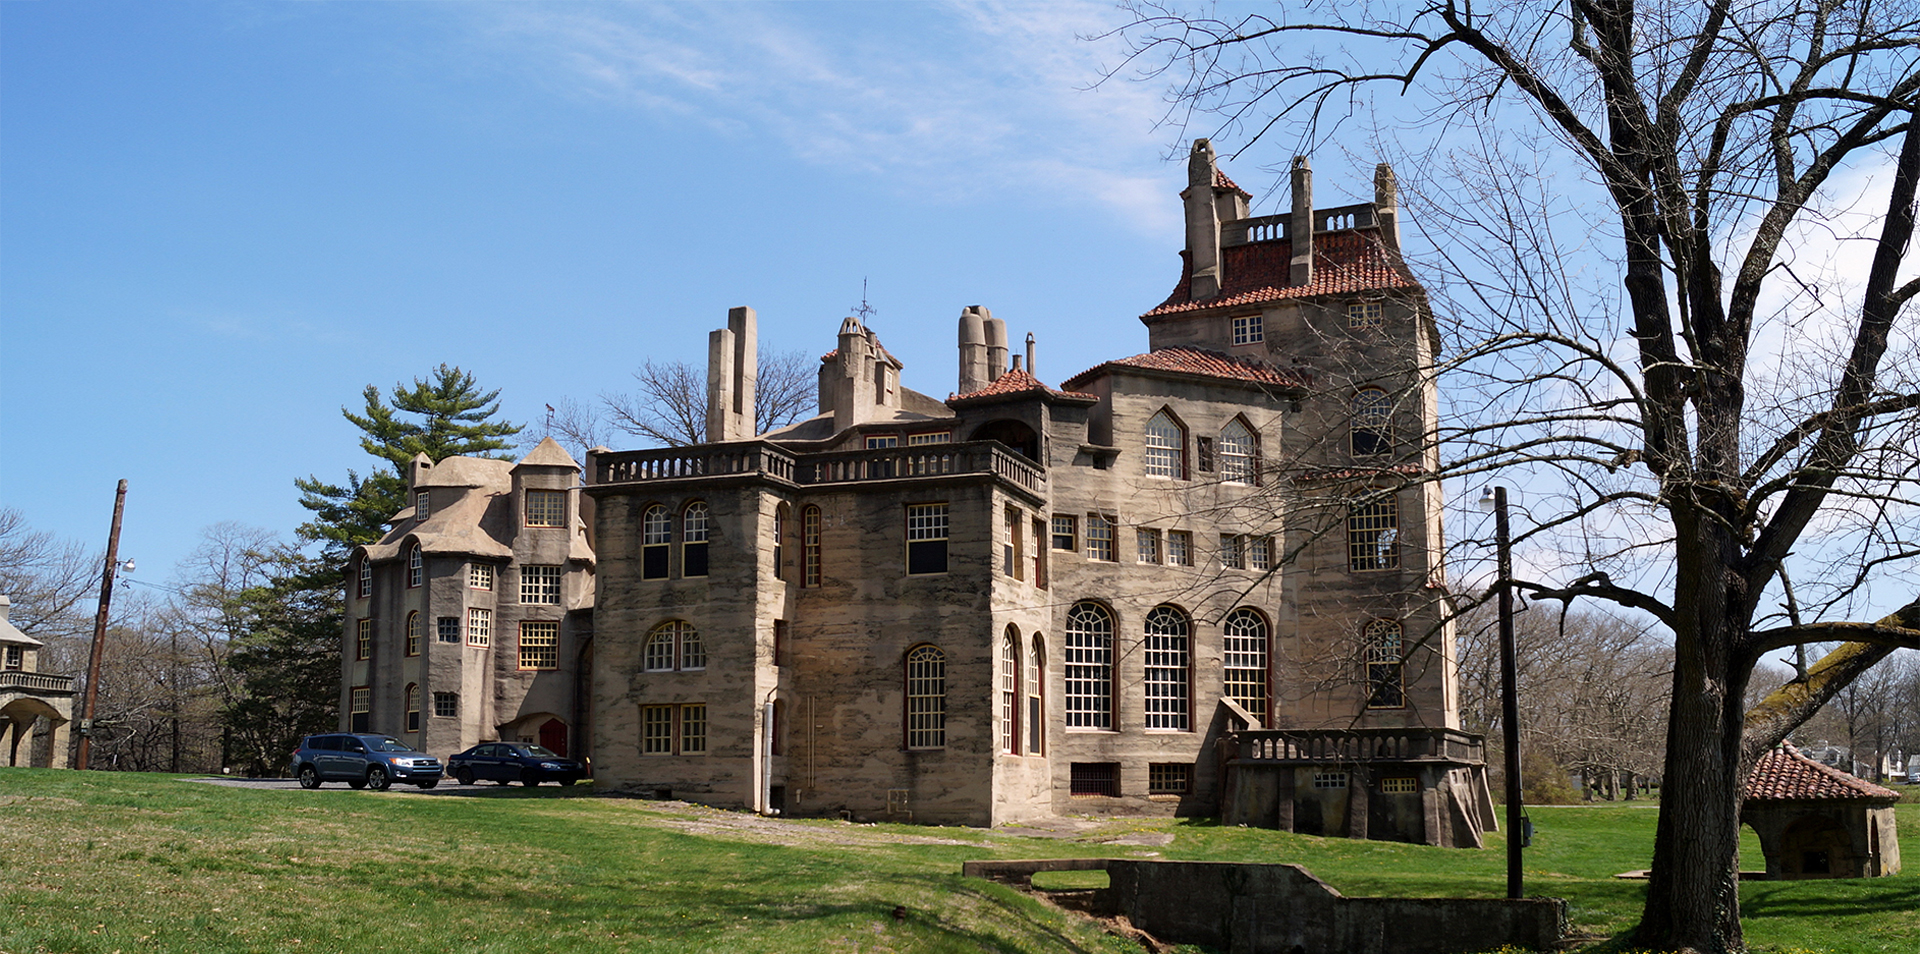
(362, 761)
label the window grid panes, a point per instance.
(674, 644)
(359, 709)
(446, 705)
(937, 437)
(1167, 669)
(1236, 451)
(1372, 422)
(363, 640)
(1089, 667)
(539, 645)
(1166, 445)
(414, 628)
(1364, 314)
(366, 578)
(1399, 785)
(1146, 545)
(1094, 779)
(926, 698)
(421, 505)
(1372, 528)
(480, 576)
(447, 629)
(1231, 554)
(656, 540)
(416, 567)
(1385, 666)
(1260, 553)
(540, 584)
(693, 540)
(479, 627)
(546, 508)
(1066, 531)
(927, 538)
(1244, 656)
(1329, 780)
(1100, 537)
(1010, 693)
(1169, 778)
(1036, 714)
(1248, 329)
(810, 546)
(1179, 548)
(883, 441)
(413, 707)
(693, 729)
(656, 730)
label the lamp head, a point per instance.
(1487, 498)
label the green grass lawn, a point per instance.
(103, 862)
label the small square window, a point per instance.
(446, 705)
(1169, 778)
(1147, 545)
(1179, 548)
(546, 508)
(447, 629)
(1066, 531)
(540, 584)
(539, 645)
(480, 576)
(1364, 314)
(1248, 329)
(1329, 780)
(1399, 785)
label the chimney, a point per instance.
(1030, 353)
(996, 348)
(1300, 271)
(1386, 208)
(1203, 223)
(853, 378)
(973, 349)
(746, 370)
(720, 382)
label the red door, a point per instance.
(553, 735)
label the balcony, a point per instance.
(35, 683)
(1358, 745)
(768, 461)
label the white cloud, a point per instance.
(947, 100)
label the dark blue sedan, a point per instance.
(507, 762)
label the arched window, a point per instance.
(1373, 530)
(926, 697)
(1089, 672)
(1244, 656)
(1385, 666)
(413, 707)
(416, 567)
(656, 541)
(810, 546)
(693, 540)
(1169, 669)
(779, 542)
(413, 634)
(1036, 697)
(1239, 454)
(1010, 692)
(1166, 447)
(672, 645)
(1372, 422)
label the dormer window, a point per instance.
(546, 508)
(421, 510)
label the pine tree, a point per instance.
(443, 415)
(287, 662)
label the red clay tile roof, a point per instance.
(1011, 383)
(1786, 774)
(1210, 364)
(1351, 473)
(1344, 263)
(1220, 181)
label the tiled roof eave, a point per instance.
(1274, 293)
(1045, 394)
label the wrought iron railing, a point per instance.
(1359, 745)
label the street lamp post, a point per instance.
(1496, 497)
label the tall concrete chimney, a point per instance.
(720, 383)
(973, 349)
(1203, 222)
(1300, 269)
(1030, 353)
(1386, 207)
(996, 348)
(746, 369)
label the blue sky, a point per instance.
(220, 221)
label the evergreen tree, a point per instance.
(287, 662)
(443, 415)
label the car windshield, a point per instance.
(539, 752)
(391, 745)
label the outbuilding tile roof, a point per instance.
(1220, 181)
(1205, 363)
(1785, 774)
(1011, 383)
(1344, 263)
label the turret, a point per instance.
(973, 349)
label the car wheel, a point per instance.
(356, 783)
(308, 777)
(463, 775)
(377, 779)
(428, 784)
(529, 779)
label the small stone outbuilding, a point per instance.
(1819, 822)
(36, 708)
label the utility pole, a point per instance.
(100, 625)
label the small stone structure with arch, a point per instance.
(1819, 822)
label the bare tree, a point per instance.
(1709, 436)
(670, 406)
(48, 580)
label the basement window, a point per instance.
(1094, 779)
